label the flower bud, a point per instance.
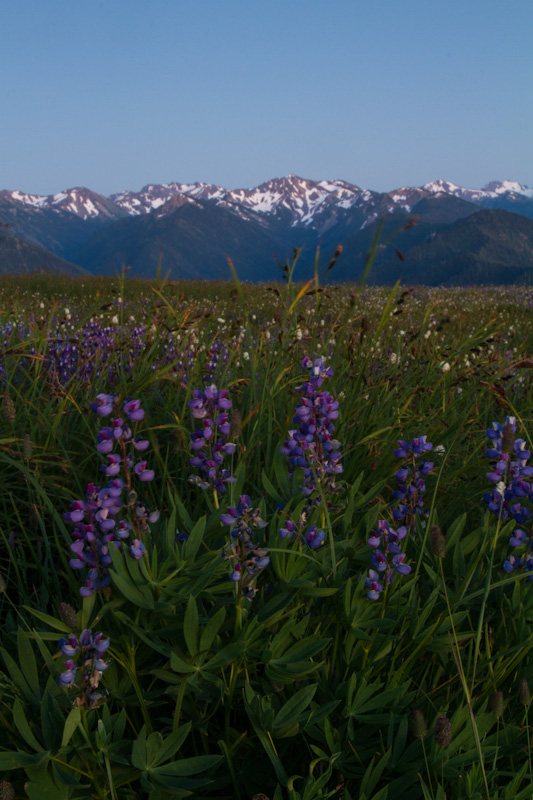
(438, 542)
(524, 694)
(8, 408)
(2, 584)
(418, 725)
(443, 731)
(497, 704)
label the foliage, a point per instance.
(303, 687)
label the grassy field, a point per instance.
(292, 604)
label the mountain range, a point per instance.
(460, 235)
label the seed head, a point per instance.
(418, 725)
(524, 693)
(27, 447)
(8, 408)
(497, 704)
(68, 615)
(235, 424)
(443, 731)
(7, 791)
(507, 439)
(438, 542)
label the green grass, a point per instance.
(308, 691)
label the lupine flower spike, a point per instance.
(209, 441)
(88, 649)
(311, 445)
(94, 518)
(388, 560)
(247, 558)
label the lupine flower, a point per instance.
(96, 527)
(209, 441)
(137, 549)
(91, 648)
(372, 584)
(410, 478)
(311, 445)
(388, 559)
(104, 404)
(510, 472)
(247, 557)
(511, 475)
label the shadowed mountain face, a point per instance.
(191, 229)
(20, 257)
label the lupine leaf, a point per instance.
(294, 706)
(191, 626)
(71, 723)
(192, 545)
(23, 727)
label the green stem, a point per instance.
(109, 777)
(457, 658)
(330, 529)
(231, 692)
(179, 702)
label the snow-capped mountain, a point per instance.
(79, 201)
(194, 226)
(295, 201)
(493, 190)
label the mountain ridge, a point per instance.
(195, 227)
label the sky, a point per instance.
(116, 94)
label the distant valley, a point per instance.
(436, 234)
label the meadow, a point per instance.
(253, 544)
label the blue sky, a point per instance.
(114, 94)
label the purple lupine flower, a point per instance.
(314, 538)
(249, 557)
(311, 445)
(143, 473)
(104, 404)
(410, 478)
(67, 678)
(288, 530)
(96, 528)
(511, 475)
(372, 583)
(92, 647)
(208, 442)
(133, 410)
(137, 549)
(509, 472)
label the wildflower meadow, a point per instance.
(265, 541)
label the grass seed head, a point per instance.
(418, 725)
(443, 731)
(524, 693)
